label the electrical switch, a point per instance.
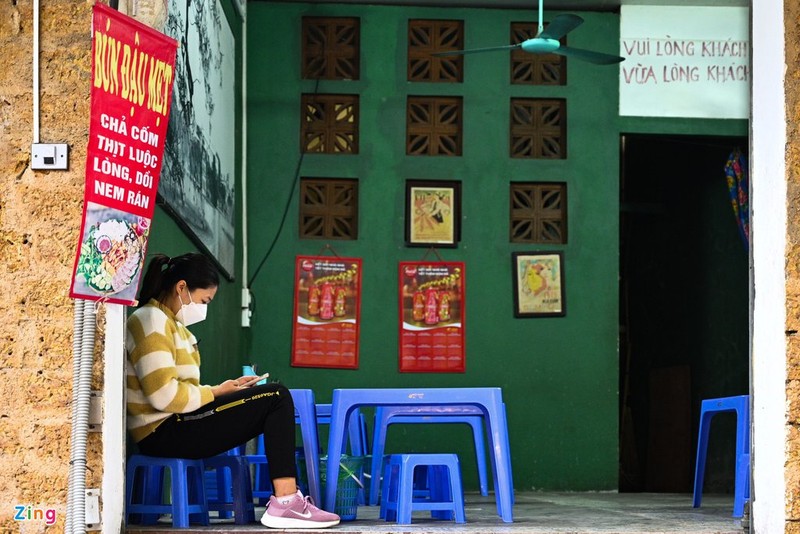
(49, 156)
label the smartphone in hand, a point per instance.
(253, 380)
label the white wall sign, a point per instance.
(684, 62)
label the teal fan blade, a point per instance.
(547, 41)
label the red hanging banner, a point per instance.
(327, 303)
(432, 317)
(133, 67)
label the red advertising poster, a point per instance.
(432, 317)
(327, 303)
(132, 75)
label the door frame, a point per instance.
(767, 271)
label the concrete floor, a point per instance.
(540, 513)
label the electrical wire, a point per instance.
(36, 84)
(282, 222)
(285, 210)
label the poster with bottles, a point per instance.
(327, 304)
(432, 317)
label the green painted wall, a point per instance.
(559, 376)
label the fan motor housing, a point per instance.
(540, 45)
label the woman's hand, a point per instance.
(248, 381)
(229, 386)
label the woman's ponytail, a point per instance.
(153, 278)
(164, 272)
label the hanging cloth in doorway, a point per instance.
(737, 178)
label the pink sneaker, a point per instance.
(296, 511)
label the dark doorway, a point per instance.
(684, 319)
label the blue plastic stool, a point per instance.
(219, 488)
(446, 499)
(387, 415)
(708, 409)
(237, 497)
(212, 482)
(144, 484)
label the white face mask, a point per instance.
(191, 313)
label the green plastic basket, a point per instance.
(350, 468)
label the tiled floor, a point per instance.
(543, 513)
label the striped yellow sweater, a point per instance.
(162, 369)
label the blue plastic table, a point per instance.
(488, 400)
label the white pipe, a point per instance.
(35, 71)
(244, 153)
(80, 423)
(77, 340)
(245, 259)
(84, 402)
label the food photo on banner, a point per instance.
(327, 303)
(133, 70)
(432, 317)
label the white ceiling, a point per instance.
(550, 5)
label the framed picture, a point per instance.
(433, 213)
(197, 186)
(538, 284)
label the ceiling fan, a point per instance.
(547, 42)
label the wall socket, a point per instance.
(49, 156)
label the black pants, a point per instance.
(229, 421)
